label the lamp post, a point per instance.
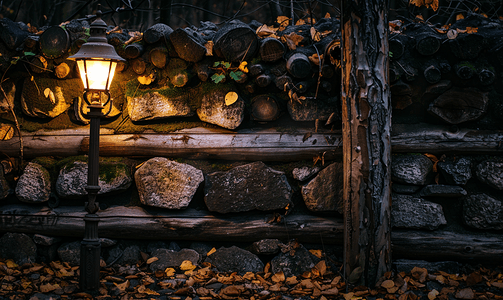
(96, 61)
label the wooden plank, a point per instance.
(265, 145)
(146, 223)
(447, 245)
(443, 139)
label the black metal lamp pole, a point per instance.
(91, 246)
(96, 60)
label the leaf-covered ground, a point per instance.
(189, 282)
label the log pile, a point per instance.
(447, 74)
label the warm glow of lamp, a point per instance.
(97, 74)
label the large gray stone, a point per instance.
(482, 211)
(34, 185)
(416, 213)
(411, 169)
(234, 259)
(214, 110)
(166, 183)
(442, 190)
(172, 259)
(49, 98)
(324, 192)
(247, 187)
(405, 188)
(266, 246)
(491, 173)
(128, 256)
(44, 240)
(152, 106)
(294, 262)
(18, 247)
(304, 173)
(456, 171)
(72, 179)
(70, 253)
(12, 33)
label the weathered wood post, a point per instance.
(366, 123)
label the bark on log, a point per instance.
(121, 66)
(151, 223)
(158, 57)
(366, 127)
(156, 33)
(39, 64)
(255, 70)
(197, 143)
(188, 44)
(486, 76)
(298, 65)
(467, 46)
(446, 245)
(203, 69)
(54, 42)
(425, 138)
(133, 50)
(271, 49)
(397, 45)
(31, 41)
(235, 42)
(284, 83)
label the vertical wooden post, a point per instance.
(366, 122)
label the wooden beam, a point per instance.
(251, 145)
(198, 143)
(150, 223)
(366, 129)
(446, 245)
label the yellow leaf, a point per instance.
(187, 266)
(169, 272)
(213, 250)
(471, 29)
(316, 253)
(6, 132)
(243, 67)
(315, 35)
(278, 277)
(123, 286)
(249, 276)
(433, 294)
(321, 267)
(230, 98)
(11, 264)
(459, 17)
(283, 22)
(46, 288)
(151, 260)
(49, 94)
(327, 16)
(147, 79)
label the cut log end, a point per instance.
(62, 70)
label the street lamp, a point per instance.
(96, 61)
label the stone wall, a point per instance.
(447, 77)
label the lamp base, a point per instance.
(90, 250)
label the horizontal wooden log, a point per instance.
(152, 223)
(198, 143)
(443, 139)
(266, 145)
(447, 245)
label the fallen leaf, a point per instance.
(213, 250)
(497, 284)
(466, 293)
(278, 277)
(187, 266)
(433, 294)
(283, 21)
(46, 288)
(230, 98)
(315, 35)
(6, 132)
(317, 253)
(321, 267)
(170, 272)
(471, 29)
(151, 260)
(459, 17)
(292, 40)
(123, 286)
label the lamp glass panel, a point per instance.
(97, 73)
(111, 74)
